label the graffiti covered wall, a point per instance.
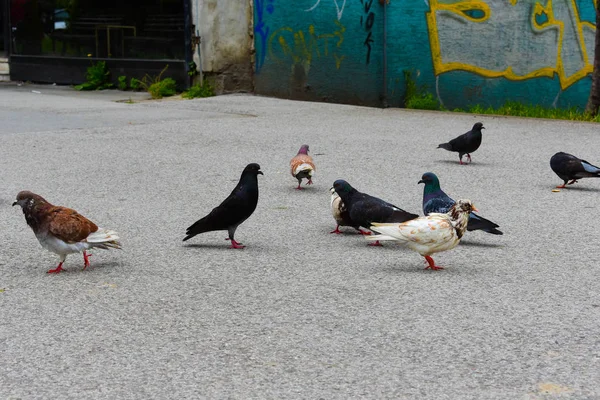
(463, 51)
(324, 50)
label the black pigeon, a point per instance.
(364, 209)
(466, 143)
(234, 210)
(436, 201)
(568, 167)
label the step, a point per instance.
(4, 67)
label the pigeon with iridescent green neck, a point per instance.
(436, 201)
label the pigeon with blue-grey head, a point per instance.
(436, 201)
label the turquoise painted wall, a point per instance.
(464, 52)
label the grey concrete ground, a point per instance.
(299, 313)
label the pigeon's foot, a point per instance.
(299, 187)
(336, 230)
(572, 182)
(86, 260)
(460, 162)
(469, 158)
(376, 244)
(561, 186)
(361, 232)
(310, 182)
(235, 245)
(56, 270)
(432, 265)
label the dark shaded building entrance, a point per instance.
(56, 40)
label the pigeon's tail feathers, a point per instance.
(202, 225)
(387, 232)
(374, 238)
(477, 222)
(305, 168)
(104, 239)
(400, 215)
(446, 146)
(592, 169)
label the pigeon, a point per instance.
(234, 210)
(364, 209)
(62, 230)
(302, 166)
(568, 167)
(436, 201)
(340, 214)
(466, 143)
(431, 234)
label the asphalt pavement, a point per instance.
(299, 313)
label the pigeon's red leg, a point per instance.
(235, 245)
(432, 264)
(57, 269)
(86, 260)
(469, 158)
(310, 182)
(336, 230)
(375, 244)
(460, 161)
(561, 186)
(572, 182)
(361, 232)
(299, 187)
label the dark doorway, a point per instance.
(3, 27)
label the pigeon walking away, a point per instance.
(302, 166)
(431, 234)
(341, 215)
(568, 167)
(436, 201)
(466, 143)
(234, 210)
(364, 209)
(62, 230)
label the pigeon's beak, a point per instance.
(260, 172)
(421, 181)
(15, 203)
(475, 209)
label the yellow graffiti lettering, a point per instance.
(506, 39)
(302, 48)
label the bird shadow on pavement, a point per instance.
(420, 269)
(481, 244)
(455, 162)
(581, 189)
(219, 246)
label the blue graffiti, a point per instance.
(262, 30)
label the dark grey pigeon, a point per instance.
(364, 209)
(466, 143)
(568, 167)
(234, 210)
(436, 201)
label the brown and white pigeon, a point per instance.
(62, 230)
(302, 166)
(431, 234)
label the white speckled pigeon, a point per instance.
(431, 234)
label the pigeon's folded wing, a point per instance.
(301, 162)
(68, 225)
(438, 205)
(430, 230)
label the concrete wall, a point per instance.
(225, 29)
(464, 52)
